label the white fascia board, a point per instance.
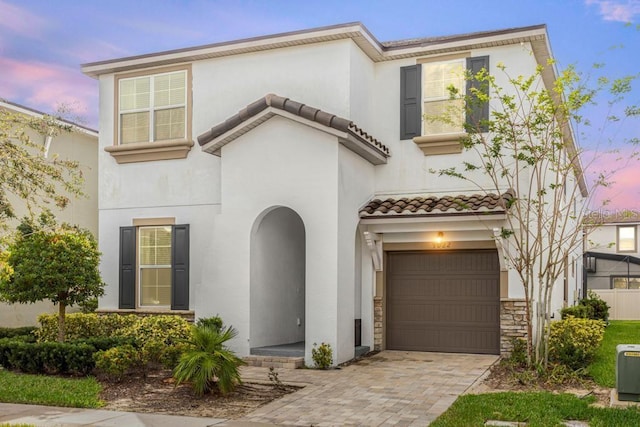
(33, 113)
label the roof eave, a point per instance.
(355, 31)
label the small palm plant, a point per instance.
(209, 360)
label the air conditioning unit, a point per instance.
(628, 372)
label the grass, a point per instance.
(534, 408)
(49, 390)
(603, 367)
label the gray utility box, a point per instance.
(628, 372)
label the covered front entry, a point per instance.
(445, 301)
(277, 299)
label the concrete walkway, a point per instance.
(390, 388)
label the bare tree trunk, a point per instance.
(61, 318)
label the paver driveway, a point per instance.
(390, 388)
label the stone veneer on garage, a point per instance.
(512, 323)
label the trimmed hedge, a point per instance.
(25, 331)
(54, 357)
(133, 342)
(47, 357)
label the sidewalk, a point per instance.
(50, 416)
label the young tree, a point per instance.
(49, 262)
(527, 146)
(25, 173)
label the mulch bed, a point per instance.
(156, 392)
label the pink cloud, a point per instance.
(46, 87)
(615, 10)
(21, 21)
(621, 170)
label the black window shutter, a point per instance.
(478, 112)
(127, 298)
(410, 108)
(180, 267)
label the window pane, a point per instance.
(155, 286)
(155, 246)
(443, 116)
(134, 127)
(169, 124)
(155, 266)
(169, 89)
(634, 283)
(626, 238)
(620, 282)
(439, 76)
(135, 93)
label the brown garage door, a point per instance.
(445, 301)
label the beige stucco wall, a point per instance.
(81, 146)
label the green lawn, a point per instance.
(534, 408)
(603, 368)
(49, 390)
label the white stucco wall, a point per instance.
(285, 163)
(356, 186)
(279, 163)
(316, 75)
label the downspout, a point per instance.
(47, 145)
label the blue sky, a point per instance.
(43, 43)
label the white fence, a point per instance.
(624, 303)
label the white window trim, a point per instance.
(443, 136)
(635, 239)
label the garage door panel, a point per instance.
(443, 301)
(433, 338)
(446, 312)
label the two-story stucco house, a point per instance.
(283, 183)
(81, 145)
(612, 261)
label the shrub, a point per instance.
(24, 331)
(84, 325)
(322, 356)
(579, 311)
(574, 341)
(157, 339)
(214, 322)
(208, 359)
(46, 358)
(116, 361)
(599, 309)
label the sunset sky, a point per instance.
(43, 43)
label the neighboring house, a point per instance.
(305, 211)
(612, 261)
(81, 144)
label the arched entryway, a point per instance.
(277, 283)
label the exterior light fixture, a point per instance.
(440, 237)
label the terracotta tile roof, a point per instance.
(293, 107)
(430, 205)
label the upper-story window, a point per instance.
(153, 115)
(626, 238)
(437, 79)
(153, 108)
(429, 115)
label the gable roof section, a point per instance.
(417, 206)
(349, 134)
